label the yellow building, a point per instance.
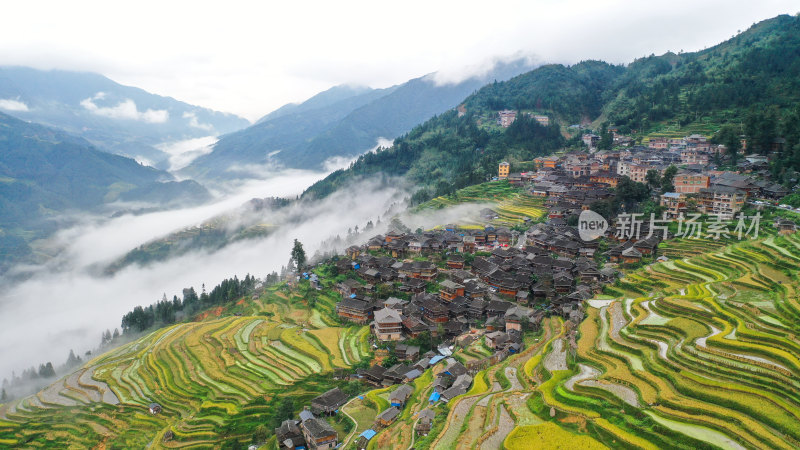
(502, 171)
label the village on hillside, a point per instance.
(426, 295)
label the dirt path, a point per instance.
(355, 424)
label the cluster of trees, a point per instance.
(630, 196)
(571, 92)
(759, 67)
(168, 311)
(33, 379)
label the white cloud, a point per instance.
(182, 153)
(13, 105)
(38, 326)
(195, 123)
(125, 109)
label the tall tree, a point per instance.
(653, 179)
(729, 136)
(298, 255)
(668, 179)
(606, 138)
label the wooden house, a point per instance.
(329, 402)
(399, 396)
(455, 261)
(449, 290)
(319, 434)
(631, 255)
(425, 422)
(354, 310)
(388, 416)
(288, 435)
(388, 325)
(433, 311)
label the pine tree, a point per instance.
(299, 255)
(72, 360)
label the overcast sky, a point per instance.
(250, 57)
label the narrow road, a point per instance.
(355, 424)
(413, 434)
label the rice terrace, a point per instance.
(699, 352)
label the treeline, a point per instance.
(448, 153)
(168, 311)
(571, 92)
(32, 379)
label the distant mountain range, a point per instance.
(45, 174)
(120, 119)
(344, 121)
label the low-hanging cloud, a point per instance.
(481, 69)
(182, 153)
(10, 104)
(64, 305)
(125, 109)
(194, 122)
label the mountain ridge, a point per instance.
(121, 119)
(45, 172)
(387, 114)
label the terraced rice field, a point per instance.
(204, 374)
(512, 205)
(708, 358)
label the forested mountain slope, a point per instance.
(748, 85)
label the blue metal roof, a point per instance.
(436, 359)
(435, 397)
(369, 434)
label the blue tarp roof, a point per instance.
(352, 295)
(361, 397)
(436, 359)
(435, 397)
(369, 434)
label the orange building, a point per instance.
(690, 183)
(503, 169)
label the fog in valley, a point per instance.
(67, 303)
